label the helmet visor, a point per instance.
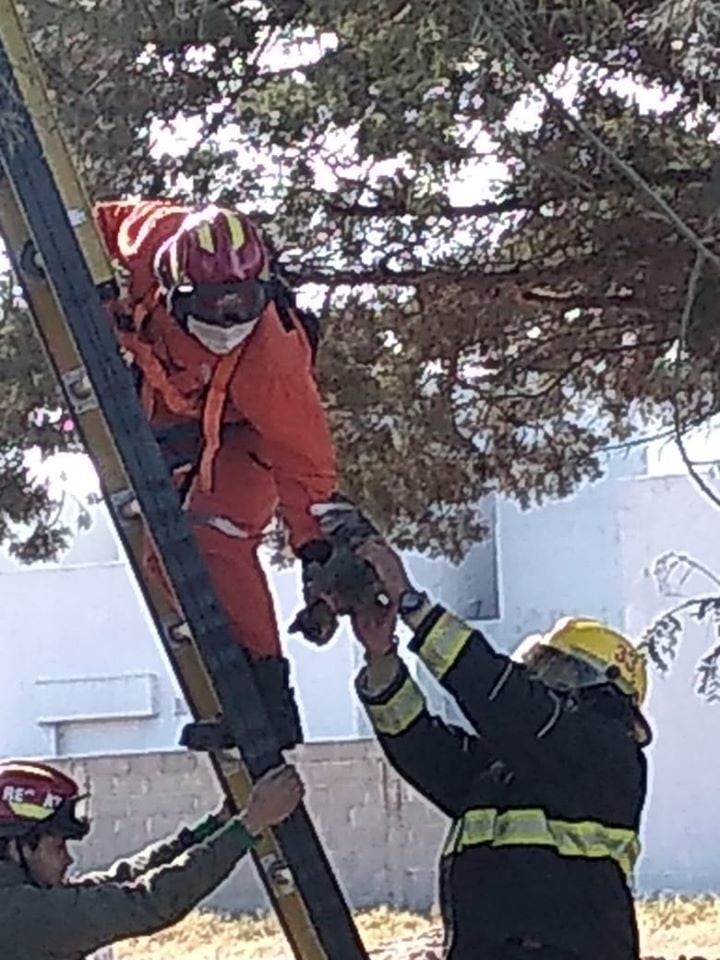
(561, 671)
(221, 304)
(71, 820)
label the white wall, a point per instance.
(555, 561)
(84, 627)
(77, 647)
(682, 836)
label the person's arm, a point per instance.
(520, 719)
(157, 854)
(497, 695)
(303, 459)
(276, 390)
(438, 759)
(77, 919)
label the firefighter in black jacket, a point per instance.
(545, 800)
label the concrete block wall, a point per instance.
(381, 837)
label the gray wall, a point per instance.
(381, 838)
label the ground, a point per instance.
(671, 929)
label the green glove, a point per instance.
(210, 825)
(206, 828)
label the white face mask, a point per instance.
(220, 340)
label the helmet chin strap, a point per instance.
(25, 866)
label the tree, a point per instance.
(679, 577)
(500, 336)
(30, 416)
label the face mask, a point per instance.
(220, 340)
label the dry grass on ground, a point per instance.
(205, 936)
(670, 928)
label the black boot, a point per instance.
(272, 676)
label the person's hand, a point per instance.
(339, 518)
(389, 569)
(274, 797)
(375, 627)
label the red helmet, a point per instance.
(37, 798)
(212, 246)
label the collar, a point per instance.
(12, 874)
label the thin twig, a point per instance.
(687, 310)
(682, 607)
(629, 172)
(695, 475)
(690, 465)
(701, 568)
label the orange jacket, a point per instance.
(266, 382)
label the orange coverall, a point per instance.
(266, 443)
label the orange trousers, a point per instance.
(228, 522)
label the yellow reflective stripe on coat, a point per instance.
(532, 827)
(444, 644)
(401, 710)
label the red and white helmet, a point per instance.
(212, 246)
(36, 798)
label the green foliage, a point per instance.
(28, 418)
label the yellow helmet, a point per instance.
(612, 655)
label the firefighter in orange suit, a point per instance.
(224, 363)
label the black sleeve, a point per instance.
(522, 721)
(439, 760)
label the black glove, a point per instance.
(313, 557)
(316, 621)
